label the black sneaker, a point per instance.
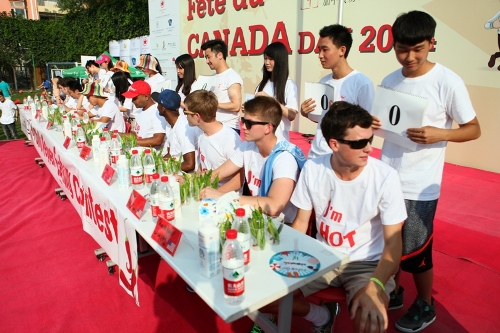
(334, 309)
(419, 316)
(396, 300)
(188, 288)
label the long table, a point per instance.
(81, 180)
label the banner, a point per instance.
(101, 207)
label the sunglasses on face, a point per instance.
(356, 144)
(249, 123)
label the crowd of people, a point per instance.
(379, 212)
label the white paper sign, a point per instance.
(322, 94)
(398, 111)
(114, 48)
(167, 84)
(204, 82)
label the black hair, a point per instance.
(91, 63)
(121, 82)
(413, 27)
(73, 85)
(340, 36)
(216, 45)
(1, 92)
(186, 62)
(279, 53)
(158, 67)
(342, 116)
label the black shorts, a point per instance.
(418, 236)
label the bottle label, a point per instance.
(149, 171)
(80, 144)
(169, 213)
(244, 241)
(115, 154)
(234, 281)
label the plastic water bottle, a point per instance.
(25, 103)
(115, 151)
(123, 171)
(61, 107)
(103, 153)
(149, 167)
(45, 110)
(74, 123)
(154, 193)
(241, 225)
(85, 117)
(66, 127)
(136, 171)
(208, 243)
(176, 189)
(95, 149)
(166, 200)
(80, 137)
(233, 269)
(118, 137)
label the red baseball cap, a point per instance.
(138, 88)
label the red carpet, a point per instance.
(52, 282)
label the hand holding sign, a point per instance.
(398, 112)
(322, 95)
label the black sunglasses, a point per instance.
(356, 144)
(249, 123)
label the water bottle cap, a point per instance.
(164, 179)
(240, 212)
(115, 131)
(79, 125)
(104, 139)
(113, 136)
(231, 234)
(134, 152)
(156, 176)
(147, 151)
(105, 129)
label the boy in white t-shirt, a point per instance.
(271, 167)
(227, 83)
(108, 112)
(421, 170)
(350, 85)
(150, 127)
(359, 210)
(218, 142)
(182, 138)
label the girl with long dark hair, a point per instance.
(186, 75)
(276, 83)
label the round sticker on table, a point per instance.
(294, 264)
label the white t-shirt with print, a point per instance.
(8, 108)
(217, 148)
(222, 82)
(248, 157)
(350, 214)
(109, 109)
(183, 139)
(355, 88)
(421, 171)
(290, 102)
(148, 122)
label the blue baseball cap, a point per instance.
(169, 99)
